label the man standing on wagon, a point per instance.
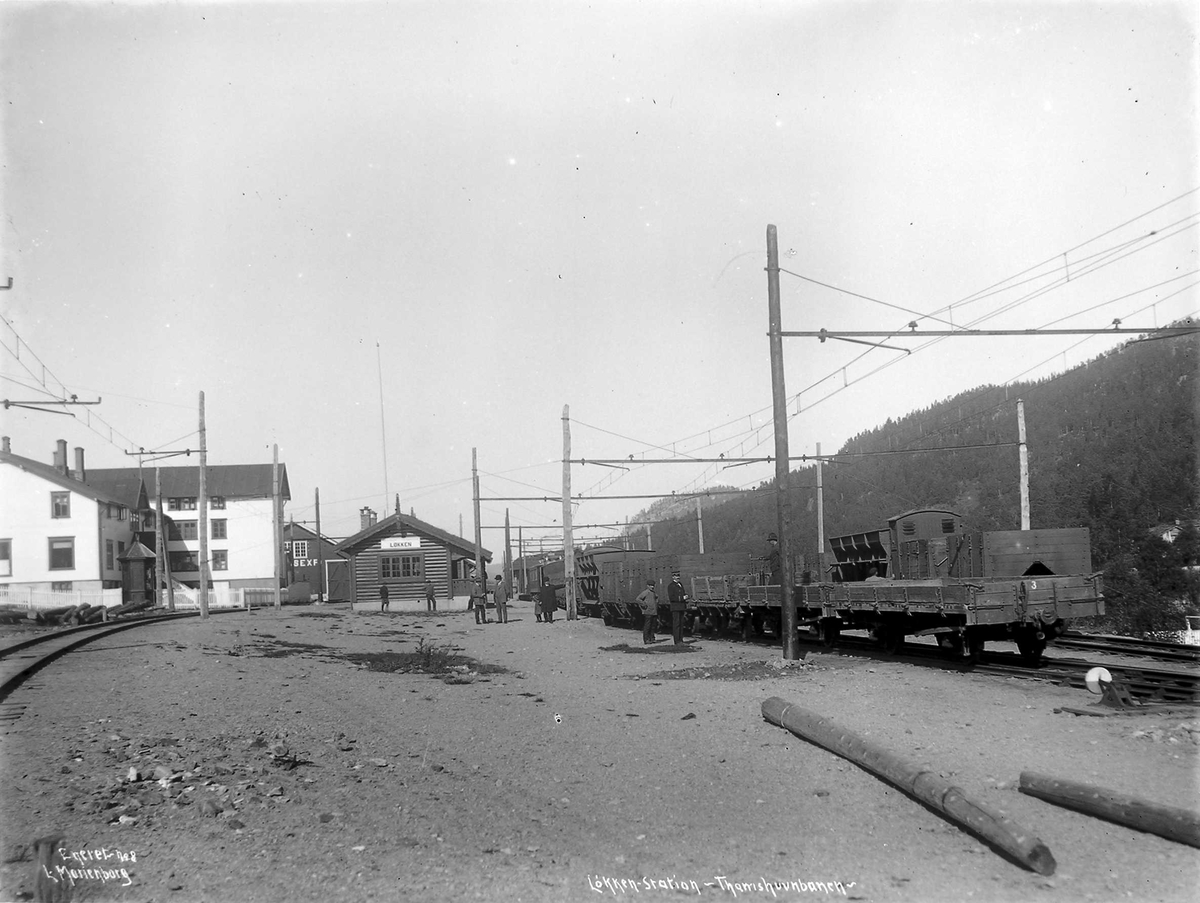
(678, 602)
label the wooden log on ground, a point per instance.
(51, 614)
(65, 616)
(929, 788)
(1172, 822)
(94, 614)
(129, 608)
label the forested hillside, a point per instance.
(1112, 447)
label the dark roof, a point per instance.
(389, 525)
(53, 475)
(121, 483)
(232, 481)
(292, 529)
(137, 552)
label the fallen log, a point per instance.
(65, 616)
(1172, 822)
(93, 615)
(924, 785)
(129, 608)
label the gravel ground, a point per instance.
(307, 756)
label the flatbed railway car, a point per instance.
(923, 575)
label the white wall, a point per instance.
(25, 520)
(249, 541)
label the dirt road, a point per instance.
(313, 756)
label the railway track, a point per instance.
(1119, 645)
(22, 658)
(1145, 684)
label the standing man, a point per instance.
(548, 599)
(649, 602)
(383, 597)
(774, 561)
(678, 601)
(501, 596)
(430, 596)
(479, 600)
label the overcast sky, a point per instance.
(505, 208)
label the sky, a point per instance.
(387, 238)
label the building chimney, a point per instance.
(367, 518)
(60, 457)
(6, 447)
(80, 473)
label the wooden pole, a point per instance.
(568, 535)
(202, 503)
(791, 646)
(1024, 458)
(320, 551)
(700, 525)
(508, 575)
(275, 525)
(820, 520)
(923, 785)
(1171, 822)
(478, 533)
(521, 555)
(162, 558)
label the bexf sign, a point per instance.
(400, 542)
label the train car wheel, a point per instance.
(747, 627)
(973, 652)
(608, 621)
(829, 631)
(890, 639)
(1030, 648)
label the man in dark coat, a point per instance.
(677, 599)
(383, 597)
(548, 599)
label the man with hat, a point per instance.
(678, 602)
(649, 602)
(501, 596)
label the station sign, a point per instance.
(400, 542)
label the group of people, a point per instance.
(430, 597)
(676, 600)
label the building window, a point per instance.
(217, 502)
(218, 529)
(120, 549)
(5, 557)
(172, 504)
(187, 529)
(108, 512)
(400, 567)
(60, 504)
(300, 549)
(220, 560)
(122, 513)
(62, 586)
(108, 554)
(182, 562)
(188, 503)
(62, 553)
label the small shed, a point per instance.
(312, 562)
(403, 551)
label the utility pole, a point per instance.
(820, 520)
(202, 501)
(568, 537)
(160, 540)
(1024, 458)
(508, 575)
(521, 555)
(478, 530)
(320, 551)
(779, 397)
(382, 425)
(275, 525)
(700, 524)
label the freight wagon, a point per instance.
(923, 575)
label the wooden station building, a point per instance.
(402, 552)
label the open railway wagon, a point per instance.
(587, 576)
(931, 578)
